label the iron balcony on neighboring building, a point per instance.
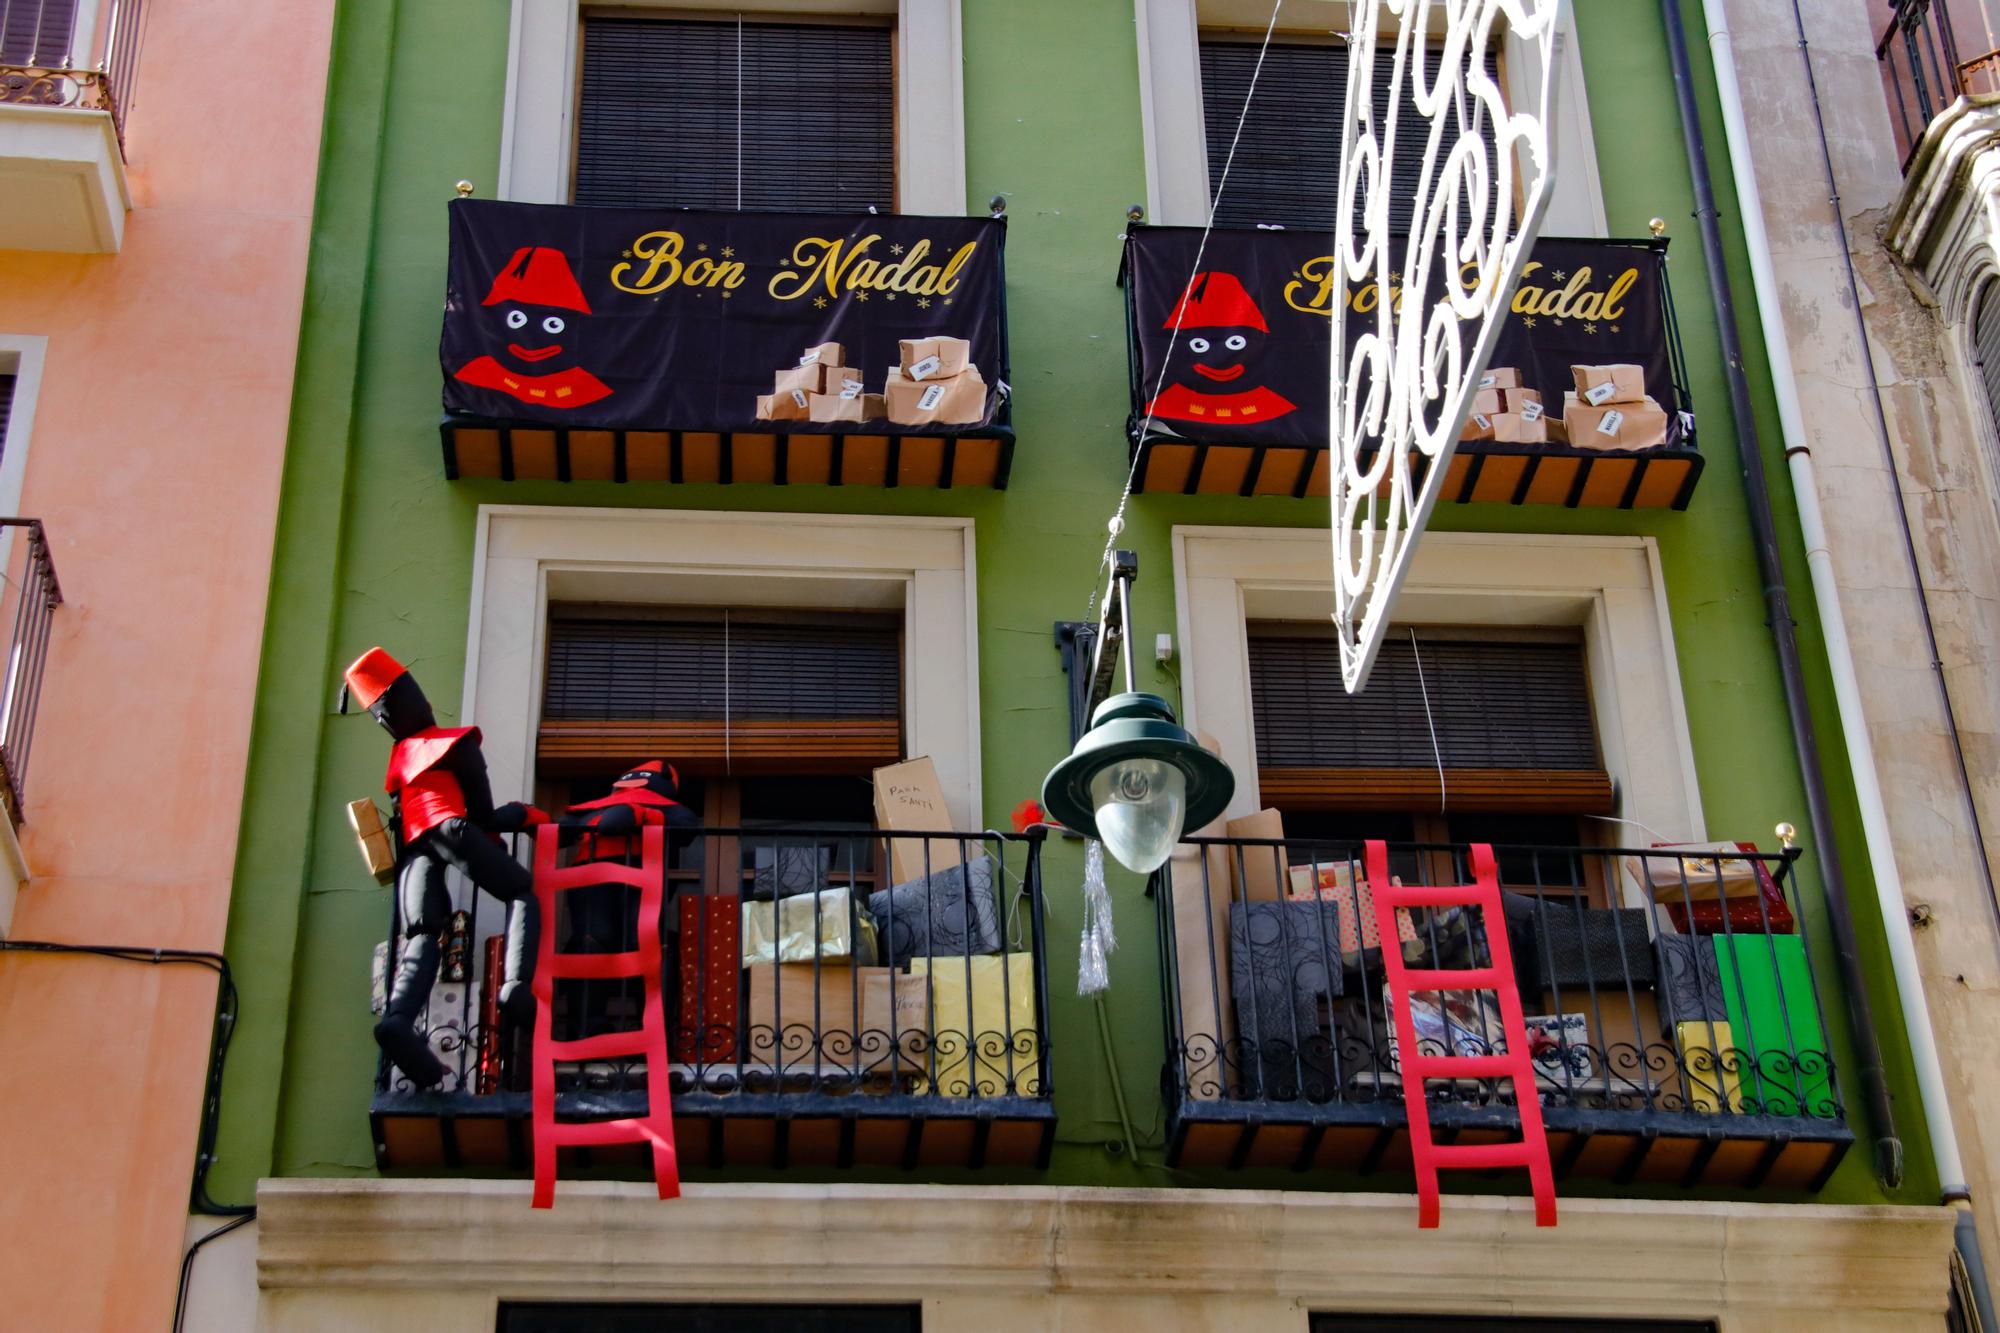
(647, 345)
(65, 88)
(833, 997)
(1677, 1038)
(1585, 401)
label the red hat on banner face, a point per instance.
(371, 676)
(1216, 301)
(538, 275)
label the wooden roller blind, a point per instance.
(724, 694)
(692, 113)
(1512, 721)
(1288, 158)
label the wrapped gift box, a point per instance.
(828, 408)
(828, 926)
(1598, 385)
(959, 400)
(1714, 1066)
(934, 358)
(1767, 988)
(1640, 425)
(792, 405)
(1500, 377)
(1259, 873)
(836, 1018)
(710, 945)
(833, 379)
(984, 1041)
(1690, 982)
(1343, 884)
(378, 851)
(1283, 967)
(953, 911)
(824, 354)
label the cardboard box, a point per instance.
(799, 379)
(1198, 879)
(1500, 377)
(959, 400)
(1597, 386)
(1491, 402)
(1520, 428)
(378, 851)
(790, 1015)
(1558, 429)
(1478, 426)
(1711, 870)
(824, 354)
(1641, 425)
(793, 405)
(829, 407)
(935, 358)
(909, 796)
(874, 407)
(836, 378)
(1260, 874)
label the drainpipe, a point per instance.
(1840, 657)
(1778, 613)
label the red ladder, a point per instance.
(1429, 1156)
(649, 1040)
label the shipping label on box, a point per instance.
(957, 401)
(825, 354)
(940, 357)
(836, 378)
(1500, 377)
(1641, 425)
(1478, 426)
(908, 796)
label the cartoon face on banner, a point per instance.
(535, 314)
(1224, 334)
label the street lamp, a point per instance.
(1137, 778)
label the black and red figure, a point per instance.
(1224, 333)
(536, 305)
(447, 820)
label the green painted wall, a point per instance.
(375, 546)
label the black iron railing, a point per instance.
(804, 966)
(1932, 52)
(32, 588)
(48, 59)
(1656, 981)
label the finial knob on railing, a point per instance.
(464, 189)
(1787, 835)
(1658, 226)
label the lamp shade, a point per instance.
(1124, 729)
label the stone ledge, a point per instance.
(1629, 1258)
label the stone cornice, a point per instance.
(1628, 1258)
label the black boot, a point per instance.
(409, 996)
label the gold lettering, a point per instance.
(947, 281)
(661, 250)
(1622, 284)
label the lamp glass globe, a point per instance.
(1139, 804)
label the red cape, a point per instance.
(1180, 403)
(418, 754)
(566, 388)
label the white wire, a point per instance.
(1429, 721)
(1117, 523)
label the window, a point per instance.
(6, 408)
(38, 34)
(1986, 346)
(683, 1318)
(690, 113)
(1398, 1323)
(1506, 716)
(1287, 161)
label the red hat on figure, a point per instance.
(371, 676)
(648, 774)
(1216, 301)
(537, 275)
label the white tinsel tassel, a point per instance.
(1093, 971)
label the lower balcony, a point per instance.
(833, 997)
(1680, 1039)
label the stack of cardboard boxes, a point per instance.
(936, 382)
(1504, 412)
(1609, 409)
(819, 388)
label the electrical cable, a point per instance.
(1429, 721)
(1117, 523)
(187, 1263)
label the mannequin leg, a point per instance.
(488, 866)
(425, 907)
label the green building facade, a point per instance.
(1071, 114)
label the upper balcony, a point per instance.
(622, 344)
(1678, 1030)
(66, 71)
(834, 997)
(1587, 406)
(1931, 53)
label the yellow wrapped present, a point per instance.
(805, 926)
(992, 995)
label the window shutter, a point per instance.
(735, 696)
(6, 407)
(1513, 724)
(1986, 344)
(38, 33)
(664, 122)
(1288, 159)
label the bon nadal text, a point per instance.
(1312, 292)
(838, 264)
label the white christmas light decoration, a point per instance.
(1402, 387)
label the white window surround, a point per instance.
(1612, 587)
(524, 556)
(1176, 140)
(538, 132)
(22, 356)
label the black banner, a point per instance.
(1251, 363)
(645, 319)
